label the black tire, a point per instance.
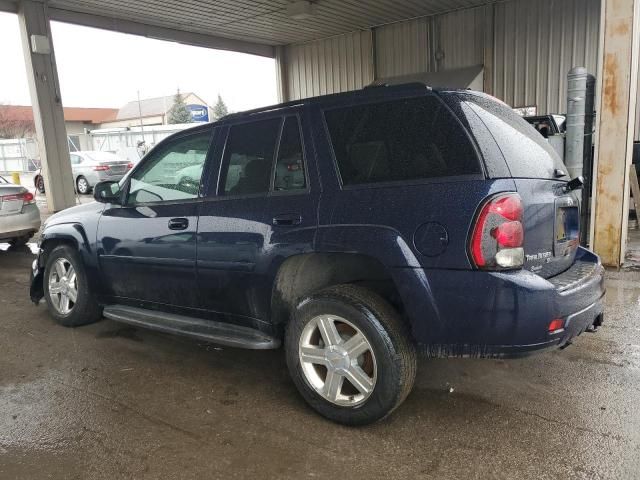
(82, 181)
(394, 351)
(40, 184)
(20, 241)
(85, 310)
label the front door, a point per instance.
(147, 246)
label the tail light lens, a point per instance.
(556, 325)
(129, 166)
(498, 235)
(26, 197)
(101, 168)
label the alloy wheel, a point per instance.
(63, 286)
(337, 360)
(83, 185)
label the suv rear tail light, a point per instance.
(498, 235)
(129, 166)
(101, 168)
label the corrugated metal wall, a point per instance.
(536, 44)
(527, 49)
(461, 37)
(336, 64)
(404, 48)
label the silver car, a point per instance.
(19, 214)
(91, 167)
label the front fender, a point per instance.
(74, 235)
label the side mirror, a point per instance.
(107, 192)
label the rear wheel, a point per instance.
(66, 289)
(350, 355)
(40, 183)
(83, 185)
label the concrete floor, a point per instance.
(109, 401)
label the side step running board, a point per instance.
(207, 330)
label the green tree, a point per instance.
(178, 113)
(220, 109)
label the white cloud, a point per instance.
(99, 68)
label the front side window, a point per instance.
(289, 173)
(172, 172)
(400, 140)
(248, 157)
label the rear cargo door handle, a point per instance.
(287, 220)
(178, 223)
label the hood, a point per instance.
(75, 214)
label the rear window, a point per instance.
(527, 153)
(401, 140)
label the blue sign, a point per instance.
(199, 113)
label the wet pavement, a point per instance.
(109, 401)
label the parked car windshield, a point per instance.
(401, 140)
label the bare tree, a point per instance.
(12, 126)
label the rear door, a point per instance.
(551, 214)
(259, 211)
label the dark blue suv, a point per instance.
(359, 229)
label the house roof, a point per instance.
(149, 107)
(71, 114)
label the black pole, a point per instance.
(587, 164)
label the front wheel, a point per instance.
(350, 355)
(66, 289)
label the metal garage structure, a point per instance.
(522, 51)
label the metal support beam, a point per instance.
(160, 33)
(47, 105)
(282, 79)
(617, 94)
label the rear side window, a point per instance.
(289, 173)
(248, 157)
(527, 153)
(401, 140)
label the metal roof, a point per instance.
(148, 107)
(22, 113)
(257, 22)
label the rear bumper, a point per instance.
(489, 314)
(103, 176)
(20, 224)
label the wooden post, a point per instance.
(617, 92)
